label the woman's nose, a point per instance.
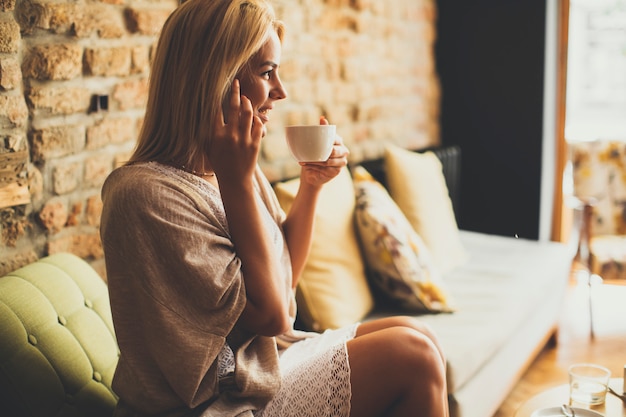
(278, 92)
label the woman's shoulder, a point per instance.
(130, 178)
(144, 175)
(141, 181)
(144, 170)
(154, 185)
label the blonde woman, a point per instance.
(202, 263)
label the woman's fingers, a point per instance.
(230, 108)
(234, 103)
(339, 149)
(237, 136)
(245, 115)
(238, 116)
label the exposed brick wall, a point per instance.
(367, 65)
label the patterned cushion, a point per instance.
(333, 290)
(608, 257)
(599, 177)
(399, 262)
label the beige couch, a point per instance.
(505, 292)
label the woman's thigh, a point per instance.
(393, 321)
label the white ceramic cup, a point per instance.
(311, 143)
(588, 383)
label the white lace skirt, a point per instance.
(315, 377)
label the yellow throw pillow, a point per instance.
(399, 263)
(417, 185)
(333, 290)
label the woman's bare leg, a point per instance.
(401, 321)
(397, 369)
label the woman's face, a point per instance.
(260, 81)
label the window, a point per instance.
(596, 71)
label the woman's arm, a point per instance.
(298, 225)
(234, 154)
(267, 310)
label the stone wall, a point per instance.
(73, 82)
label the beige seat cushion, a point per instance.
(417, 185)
(333, 290)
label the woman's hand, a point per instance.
(319, 173)
(236, 140)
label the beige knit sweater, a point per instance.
(176, 293)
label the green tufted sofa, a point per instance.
(57, 345)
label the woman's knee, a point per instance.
(394, 365)
(418, 325)
(399, 347)
(421, 327)
(419, 367)
(416, 353)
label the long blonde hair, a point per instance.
(202, 47)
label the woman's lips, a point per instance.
(264, 115)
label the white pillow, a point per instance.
(417, 185)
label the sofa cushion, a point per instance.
(417, 184)
(333, 290)
(399, 263)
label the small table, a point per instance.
(554, 397)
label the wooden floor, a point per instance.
(607, 348)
